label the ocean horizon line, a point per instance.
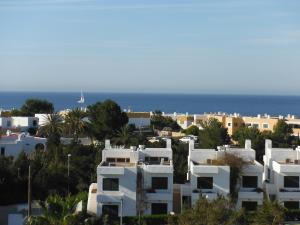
(155, 93)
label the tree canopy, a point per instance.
(105, 119)
(158, 121)
(34, 106)
(213, 134)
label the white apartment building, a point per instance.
(209, 179)
(19, 122)
(134, 181)
(281, 172)
(12, 144)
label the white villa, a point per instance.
(19, 122)
(12, 144)
(134, 181)
(210, 180)
(281, 172)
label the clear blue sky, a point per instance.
(203, 46)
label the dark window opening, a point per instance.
(110, 184)
(204, 182)
(2, 151)
(159, 182)
(291, 205)
(186, 202)
(249, 181)
(34, 123)
(249, 206)
(110, 210)
(159, 208)
(291, 182)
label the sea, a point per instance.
(169, 103)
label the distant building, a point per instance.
(18, 122)
(139, 119)
(234, 121)
(12, 144)
(133, 181)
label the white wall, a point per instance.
(139, 122)
(127, 188)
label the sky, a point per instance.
(151, 46)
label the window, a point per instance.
(249, 206)
(110, 184)
(160, 183)
(248, 125)
(2, 150)
(110, 210)
(34, 123)
(229, 124)
(249, 181)
(110, 159)
(159, 208)
(291, 205)
(205, 182)
(255, 125)
(186, 201)
(266, 126)
(291, 182)
(269, 174)
(8, 123)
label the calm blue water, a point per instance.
(169, 103)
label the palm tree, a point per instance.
(52, 128)
(58, 210)
(74, 123)
(123, 135)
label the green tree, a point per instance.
(282, 134)
(52, 129)
(123, 136)
(256, 137)
(271, 213)
(217, 212)
(192, 130)
(58, 211)
(180, 155)
(158, 121)
(74, 123)
(33, 106)
(105, 119)
(213, 134)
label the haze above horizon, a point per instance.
(206, 47)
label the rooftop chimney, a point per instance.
(248, 144)
(191, 145)
(107, 144)
(169, 143)
(268, 144)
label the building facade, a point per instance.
(209, 178)
(134, 181)
(282, 172)
(12, 144)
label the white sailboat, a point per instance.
(81, 100)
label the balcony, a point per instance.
(281, 167)
(110, 170)
(110, 197)
(167, 196)
(209, 169)
(288, 194)
(206, 194)
(159, 168)
(250, 195)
